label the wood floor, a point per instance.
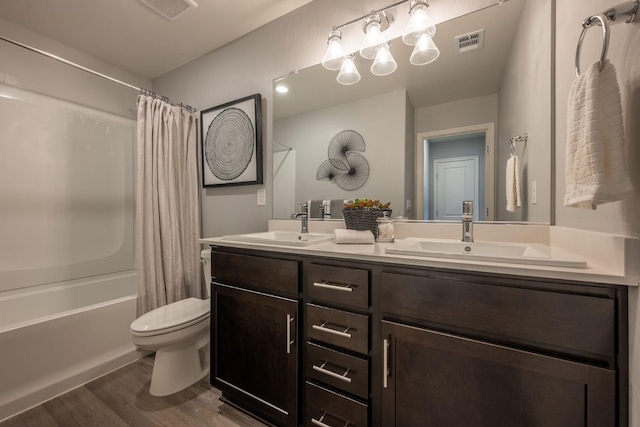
(121, 398)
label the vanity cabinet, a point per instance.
(300, 339)
(337, 351)
(463, 350)
(254, 335)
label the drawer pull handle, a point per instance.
(385, 362)
(323, 328)
(321, 424)
(290, 320)
(342, 377)
(327, 285)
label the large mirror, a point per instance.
(432, 135)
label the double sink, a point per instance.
(512, 253)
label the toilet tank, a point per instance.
(205, 257)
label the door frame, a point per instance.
(489, 191)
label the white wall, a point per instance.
(619, 217)
(380, 120)
(466, 112)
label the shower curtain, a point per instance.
(167, 205)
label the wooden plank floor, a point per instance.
(121, 398)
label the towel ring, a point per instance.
(586, 24)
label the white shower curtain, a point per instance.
(167, 205)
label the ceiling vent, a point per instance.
(470, 41)
(170, 9)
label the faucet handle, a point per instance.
(304, 206)
(467, 207)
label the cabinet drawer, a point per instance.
(339, 328)
(339, 370)
(269, 273)
(325, 408)
(349, 286)
(575, 324)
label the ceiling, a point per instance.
(129, 34)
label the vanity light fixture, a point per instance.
(419, 23)
(334, 56)
(348, 72)
(425, 51)
(419, 33)
(384, 64)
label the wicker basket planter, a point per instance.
(364, 219)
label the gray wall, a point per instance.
(381, 122)
(619, 217)
(27, 70)
(248, 65)
(523, 107)
(466, 112)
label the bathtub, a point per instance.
(57, 337)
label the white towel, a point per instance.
(595, 169)
(353, 236)
(513, 184)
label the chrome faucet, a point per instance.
(467, 221)
(304, 217)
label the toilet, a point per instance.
(176, 332)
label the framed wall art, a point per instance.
(231, 138)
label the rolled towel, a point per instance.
(353, 236)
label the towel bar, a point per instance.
(629, 8)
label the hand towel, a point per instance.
(342, 235)
(315, 209)
(595, 169)
(513, 184)
(336, 209)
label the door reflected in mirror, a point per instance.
(434, 135)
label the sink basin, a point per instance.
(514, 253)
(288, 238)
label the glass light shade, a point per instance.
(348, 74)
(384, 63)
(372, 38)
(425, 51)
(334, 56)
(419, 24)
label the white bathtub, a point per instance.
(55, 338)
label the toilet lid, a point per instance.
(181, 313)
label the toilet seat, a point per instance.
(171, 317)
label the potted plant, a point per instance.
(362, 214)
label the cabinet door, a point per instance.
(433, 379)
(255, 352)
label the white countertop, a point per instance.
(610, 259)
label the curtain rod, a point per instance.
(95, 73)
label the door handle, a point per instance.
(290, 320)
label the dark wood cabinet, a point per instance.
(441, 380)
(316, 341)
(254, 346)
(459, 349)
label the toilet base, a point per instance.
(175, 370)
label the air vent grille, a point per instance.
(470, 41)
(170, 9)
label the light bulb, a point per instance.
(334, 55)
(373, 37)
(419, 23)
(384, 63)
(348, 73)
(425, 51)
